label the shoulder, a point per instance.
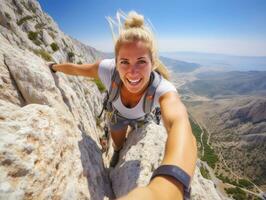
(107, 63)
(105, 71)
(164, 87)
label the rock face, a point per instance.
(141, 154)
(26, 26)
(49, 135)
(49, 145)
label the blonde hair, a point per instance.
(135, 29)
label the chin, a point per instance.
(134, 90)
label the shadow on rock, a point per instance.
(93, 168)
(124, 177)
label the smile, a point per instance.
(133, 82)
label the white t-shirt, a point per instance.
(106, 68)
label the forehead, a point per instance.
(133, 50)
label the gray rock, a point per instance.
(141, 154)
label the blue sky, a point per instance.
(236, 27)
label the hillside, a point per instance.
(179, 66)
(215, 85)
(232, 108)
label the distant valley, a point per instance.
(220, 62)
(231, 108)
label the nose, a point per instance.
(132, 69)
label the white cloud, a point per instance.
(246, 47)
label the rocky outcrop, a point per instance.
(141, 154)
(254, 111)
(26, 26)
(49, 135)
(49, 145)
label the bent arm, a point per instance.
(89, 70)
(181, 146)
(180, 150)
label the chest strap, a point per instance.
(148, 102)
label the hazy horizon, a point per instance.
(225, 27)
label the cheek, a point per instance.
(148, 70)
(121, 72)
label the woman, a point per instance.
(135, 60)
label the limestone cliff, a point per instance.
(49, 137)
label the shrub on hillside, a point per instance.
(99, 84)
(205, 173)
(32, 35)
(237, 193)
(54, 46)
(44, 54)
(245, 183)
(24, 19)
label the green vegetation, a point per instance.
(32, 35)
(24, 19)
(237, 193)
(51, 33)
(99, 85)
(54, 46)
(29, 6)
(196, 130)
(45, 55)
(7, 15)
(70, 55)
(225, 179)
(40, 25)
(37, 42)
(245, 183)
(79, 62)
(209, 155)
(205, 173)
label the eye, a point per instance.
(142, 62)
(124, 62)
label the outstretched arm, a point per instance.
(180, 150)
(89, 70)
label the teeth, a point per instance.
(134, 81)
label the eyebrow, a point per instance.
(141, 57)
(127, 59)
(123, 59)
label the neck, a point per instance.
(126, 93)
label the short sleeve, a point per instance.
(164, 86)
(105, 71)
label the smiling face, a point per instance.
(134, 66)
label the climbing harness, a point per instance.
(113, 93)
(104, 139)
